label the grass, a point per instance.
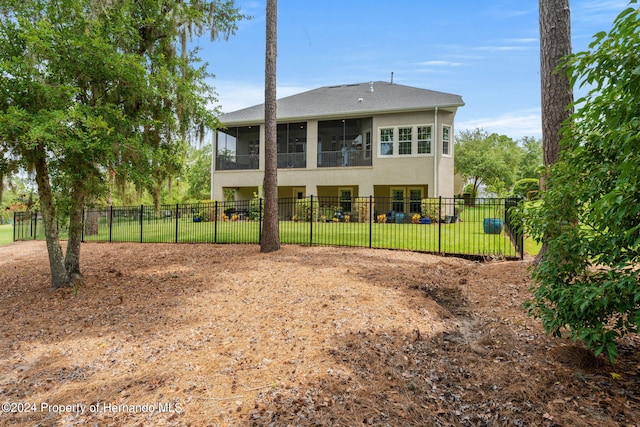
(465, 237)
(531, 247)
(6, 234)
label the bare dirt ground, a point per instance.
(211, 335)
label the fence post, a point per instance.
(439, 224)
(110, 223)
(14, 226)
(371, 217)
(260, 224)
(311, 219)
(141, 221)
(177, 212)
(83, 224)
(215, 221)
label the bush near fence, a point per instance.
(452, 228)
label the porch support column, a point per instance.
(261, 155)
(365, 189)
(214, 151)
(312, 146)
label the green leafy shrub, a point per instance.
(206, 211)
(5, 216)
(430, 208)
(256, 210)
(586, 285)
(304, 210)
(524, 187)
(363, 208)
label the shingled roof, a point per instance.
(349, 100)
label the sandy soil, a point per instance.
(216, 335)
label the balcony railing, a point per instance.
(238, 162)
(333, 159)
(292, 160)
(326, 159)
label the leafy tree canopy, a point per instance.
(489, 159)
(531, 161)
(89, 89)
(587, 285)
(199, 173)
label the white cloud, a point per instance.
(591, 16)
(515, 125)
(601, 6)
(440, 64)
(524, 40)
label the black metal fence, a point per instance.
(471, 228)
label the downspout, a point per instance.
(213, 160)
(435, 155)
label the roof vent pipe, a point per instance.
(371, 86)
(392, 77)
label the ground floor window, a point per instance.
(415, 200)
(345, 199)
(397, 199)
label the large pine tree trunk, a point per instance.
(72, 256)
(47, 209)
(270, 231)
(557, 93)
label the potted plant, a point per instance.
(494, 224)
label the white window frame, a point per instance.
(367, 143)
(411, 140)
(391, 141)
(414, 140)
(430, 140)
(449, 145)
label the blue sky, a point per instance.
(486, 51)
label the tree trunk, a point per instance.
(156, 193)
(557, 93)
(91, 227)
(1, 185)
(72, 256)
(47, 209)
(270, 232)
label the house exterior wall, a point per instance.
(385, 173)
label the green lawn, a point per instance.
(465, 237)
(6, 234)
(531, 247)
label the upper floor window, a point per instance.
(412, 140)
(367, 144)
(404, 140)
(386, 142)
(424, 139)
(446, 140)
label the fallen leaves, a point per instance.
(304, 336)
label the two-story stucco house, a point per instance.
(378, 138)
